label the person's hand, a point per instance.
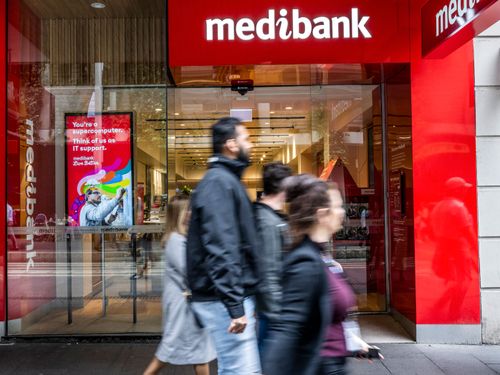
(111, 218)
(119, 193)
(238, 325)
(370, 352)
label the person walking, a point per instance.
(221, 259)
(272, 230)
(184, 341)
(294, 343)
(335, 350)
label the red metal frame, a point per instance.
(3, 180)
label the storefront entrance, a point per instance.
(90, 86)
(335, 131)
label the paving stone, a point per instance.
(399, 350)
(419, 365)
(132, 358)
(495, 368)
(363, 367)
(456, 360)
(486, 353)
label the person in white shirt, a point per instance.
(97, 211)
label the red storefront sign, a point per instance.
(224, 32)
(447, 24)
(99, 162)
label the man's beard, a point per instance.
(244, 157)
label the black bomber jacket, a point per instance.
(221, 240)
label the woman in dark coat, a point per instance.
(295, 341)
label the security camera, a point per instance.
(242, 85)
(242, 90)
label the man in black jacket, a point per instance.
(221, 261)
(272, 231)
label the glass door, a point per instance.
(332, 131)
(348, 150)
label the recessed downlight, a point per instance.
(98, 5)
(288, 108)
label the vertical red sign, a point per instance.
(99, 169)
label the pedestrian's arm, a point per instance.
(270, 265)
(221, 239)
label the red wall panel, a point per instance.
(445, 192)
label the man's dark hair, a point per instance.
(273, 176)
(222, 131)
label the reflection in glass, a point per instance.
(105, 276)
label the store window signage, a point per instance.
(99, 173)
(443, 19)
(30, 191)
(286, 25)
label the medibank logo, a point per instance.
(449, 14)
(280, 26)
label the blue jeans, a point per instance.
(263, 329)
(237, 354)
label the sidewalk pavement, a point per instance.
(131, 358)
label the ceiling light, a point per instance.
(288, 108)
(158, 109)
(176, 114)
(183, 124)
(272, 112)
(98, 5)
(267, 123)
(187, 133)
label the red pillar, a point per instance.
(445, 194)
(3, 161)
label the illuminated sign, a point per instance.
(279, 25)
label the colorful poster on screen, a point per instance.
(99, 169)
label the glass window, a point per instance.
(332, 131)
(87, 107)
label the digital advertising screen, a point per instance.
(99, 171)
